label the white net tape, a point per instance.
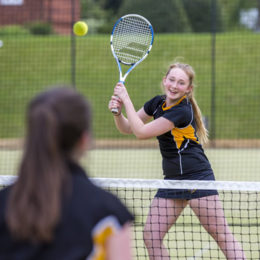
(161, 184)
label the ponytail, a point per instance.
(201, 130)
(56, 121)
(34, 203)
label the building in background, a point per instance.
(59, 13)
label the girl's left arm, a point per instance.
(140, 129)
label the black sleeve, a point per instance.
(151, 105)
(180, 116)
(114, 205)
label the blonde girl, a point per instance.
(180, 131)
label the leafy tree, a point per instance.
(165, 15)
(258, 19)
(92, 9)
(200, 14)
(93, 12)
(231, 11)
(113, 5)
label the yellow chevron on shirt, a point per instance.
(101, 234)
(180, 134)
(100, 241)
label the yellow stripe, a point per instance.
(180, 134)
(100, 242)
(100, 235)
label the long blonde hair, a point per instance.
(202, 132)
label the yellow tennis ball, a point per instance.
(80, 28)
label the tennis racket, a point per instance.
(131, 41)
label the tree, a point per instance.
(165, 15)
(258, 18)
(201, 14)
(231, 11)
(113, 5)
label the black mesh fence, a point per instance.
(220, 39)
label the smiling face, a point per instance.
(176, 85)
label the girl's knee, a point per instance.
(220, 234)
(147, 235)
(152, 237)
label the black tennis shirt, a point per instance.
(180, 149)
(89, 216)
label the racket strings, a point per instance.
(132, 39)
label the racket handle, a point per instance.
(114, 110)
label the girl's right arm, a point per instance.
(121, 121)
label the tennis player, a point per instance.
(179, 129)
(53, 211)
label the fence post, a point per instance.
(73, 46)
(213, 73)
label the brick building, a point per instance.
(60, 13)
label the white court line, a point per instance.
(200, 253)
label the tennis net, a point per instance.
(187, 238)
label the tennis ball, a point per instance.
(80, 28)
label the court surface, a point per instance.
(228, 164)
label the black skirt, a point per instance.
(188, 194)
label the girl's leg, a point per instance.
(211, 215)
(163, 214)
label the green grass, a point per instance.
(30, 63)
(228, 164)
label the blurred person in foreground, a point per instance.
(53, 211)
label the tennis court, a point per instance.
(228, 164)
(187, 239)
(219, 38)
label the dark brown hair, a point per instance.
(56, 120)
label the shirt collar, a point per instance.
(164, 108)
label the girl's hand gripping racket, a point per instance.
(131, 41)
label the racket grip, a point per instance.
(114, 110)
